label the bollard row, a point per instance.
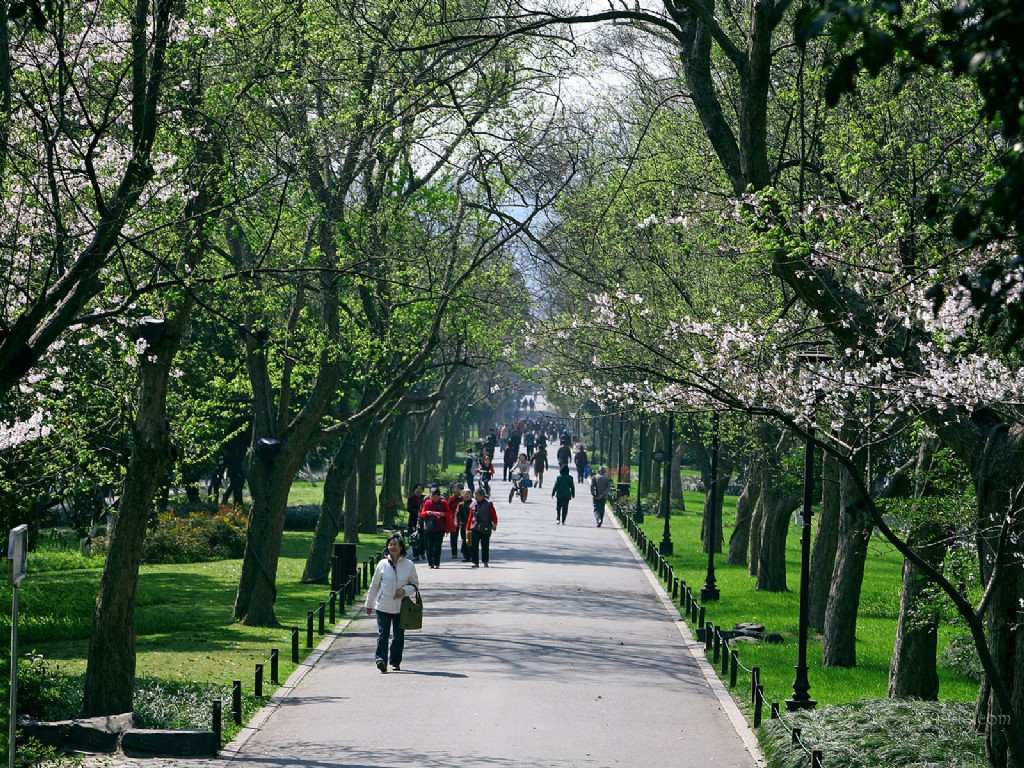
(717, 644)
(339, 599)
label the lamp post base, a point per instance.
(794, 704)
(665, 548)
(709, 593)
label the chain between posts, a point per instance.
(715, 642)
(348, 592)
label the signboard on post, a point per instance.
(17, 554)
(17, 566)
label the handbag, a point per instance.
(410, 616)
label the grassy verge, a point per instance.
(187, 643)
(854, 725)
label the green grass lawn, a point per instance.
(184, 628)
(779, 611)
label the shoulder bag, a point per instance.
(410, 615)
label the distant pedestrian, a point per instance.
(539, 461)
(563, 491)
(582, 460)
(529, 442)
(470, 469)
(563, 455)
(417, 538)
(483, 521)
(435, 523)
(599, 488)
(462, 513)
(508, 459)
(452, 524)
(394, 578)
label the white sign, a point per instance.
(17, 554)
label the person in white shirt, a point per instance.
(394, 578)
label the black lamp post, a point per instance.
(711, 591)
(638, 513)
(666, 490)
(801, 698)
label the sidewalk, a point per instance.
(564, 652)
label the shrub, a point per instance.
(301, 517)
(196, 537)
(961, 656)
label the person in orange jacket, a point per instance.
(451, 523)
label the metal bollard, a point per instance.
(334, 606)
(236, 702)
(733, 663)
(309, 629)
(709, 630)
(218, 727)
(725, 657)
(341, 600)
(717, 645)
(275, 666)
(816, 758)
(321, 616)
(352, 591)
(700, 613)
(295, 645)
(257, 687)
(794, 737)
(675, 587)
(773, 711)
(755, 681)
(758, 705)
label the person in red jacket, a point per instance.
(483, 520)
(435, 522)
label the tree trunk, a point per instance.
(677, 484)
(110, 670)
(739, 542)
(855, 526)
(329, 523)
(650, 434)
(391, 485)
(368, 453)
(756, 523)
(777, 516)
(269, 482)
(826, 541)
(913, 672)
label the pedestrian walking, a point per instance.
(451, 523)
(394, 578)
(470, 469)
(599, 488)
(462, 513)
(539, 462)
(417, 538)
(581, 460)
(563, 490)
(508, 459)
(563, 454)
(434, 516)
(482, 523)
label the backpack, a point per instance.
(482, 522)
(593, 489)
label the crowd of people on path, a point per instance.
(468, 518)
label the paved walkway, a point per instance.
(564, 652)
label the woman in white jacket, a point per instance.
(394, 578)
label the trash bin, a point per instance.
(621, 490)
(345, 565)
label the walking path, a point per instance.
(564, 652)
